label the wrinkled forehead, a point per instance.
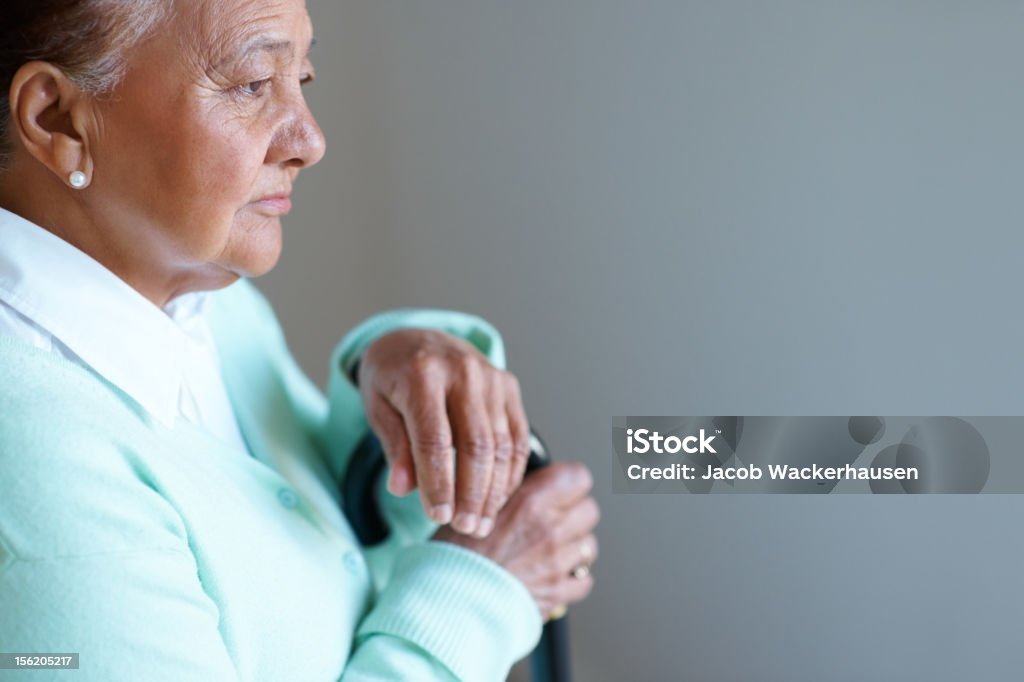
(219, 28)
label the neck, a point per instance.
(71, 215)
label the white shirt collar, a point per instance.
(112, 327)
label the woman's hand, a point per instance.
(426, 392)
(544, 536)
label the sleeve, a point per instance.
(489, 620)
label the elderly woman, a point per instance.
(169, 479)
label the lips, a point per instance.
(275, 204)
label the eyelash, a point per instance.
(246, 89)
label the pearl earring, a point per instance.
(78, 179)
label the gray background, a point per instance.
(684, 207)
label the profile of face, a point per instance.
(194, 156)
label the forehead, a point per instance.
(219, 28)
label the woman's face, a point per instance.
(199, 147)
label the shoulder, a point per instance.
(40, 391)
(71, 482)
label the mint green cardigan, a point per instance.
(166, 555)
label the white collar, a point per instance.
(113, 328)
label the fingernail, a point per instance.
(466, 522)
(485, 528)
(441, 513)
(398, 484)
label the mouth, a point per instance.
(274, 204)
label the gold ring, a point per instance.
(580, 572)
(557, 612)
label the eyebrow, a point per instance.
(267, 45)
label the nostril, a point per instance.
(297, 142)
(315, 145)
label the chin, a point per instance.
(259, 253)
(259, 266)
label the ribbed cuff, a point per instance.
(468, 612)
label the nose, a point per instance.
(299, 141)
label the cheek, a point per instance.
(214, 175)
(195, 177)
(249, 241)
(236, 236)
(226, 157)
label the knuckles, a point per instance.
(429, 354)
(532, 507)
(549, 539)
(568, 476)
(468, 367)
(479, 446)
(425, 366)
(511, 383)
(436, 445)
(548, 566)
(521, 448)
(503, 448)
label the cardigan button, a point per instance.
(353, 561)
(287, 498)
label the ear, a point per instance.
(50, 116)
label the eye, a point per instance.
(253, 88)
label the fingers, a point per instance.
(430, 437)
(561, 542)
(545, 536)
(568, 591)
(561, 586)
(503, 461)
(519, 428)
(578, 521)
(441, 392)
(389, 426)
(474, 447)
(577, 552)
